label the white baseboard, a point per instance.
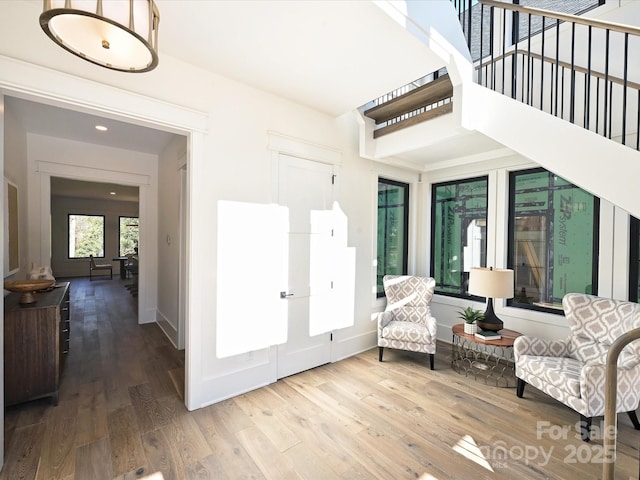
(350, 346)
(169, 330)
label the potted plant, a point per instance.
(470, 315)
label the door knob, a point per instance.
(285, 294)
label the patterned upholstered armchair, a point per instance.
(406, 323)
(573, 370)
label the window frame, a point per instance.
(405, 246)
(120, 217)
(104, 234)
(510, 246)
(432, 254)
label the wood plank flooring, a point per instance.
(121, 416)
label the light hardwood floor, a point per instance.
(121, 415)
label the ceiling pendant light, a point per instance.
(117, 34)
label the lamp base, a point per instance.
(493, 327)
(490, 321)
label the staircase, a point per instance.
(418, 104)
(566, 97)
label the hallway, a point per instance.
(121, 381)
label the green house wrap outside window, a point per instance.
(393, 230)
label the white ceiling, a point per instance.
(58, 122)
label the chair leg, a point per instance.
(520, 388)
(585, 428)
(380, 349)
(431, 360)
(634, 419)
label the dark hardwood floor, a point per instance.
(121, 415)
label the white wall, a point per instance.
(170, 162)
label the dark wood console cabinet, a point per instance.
(36, 343)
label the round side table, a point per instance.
(491, 363)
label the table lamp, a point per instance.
(491, 283)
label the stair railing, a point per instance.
(572, 67)
(610, 401)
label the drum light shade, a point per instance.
(117, 34)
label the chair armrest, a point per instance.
(592, 388)
(431, 324)
(528, 345)
(384, 318)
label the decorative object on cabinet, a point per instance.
(36, 343)
(26, 288)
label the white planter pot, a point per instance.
(470, 328)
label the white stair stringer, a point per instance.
(599, 165)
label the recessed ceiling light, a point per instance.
(102, 128)
(112, 193)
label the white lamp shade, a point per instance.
(491, 282)
(117, 34)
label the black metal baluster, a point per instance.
(469, 24)
(504, 41)
(572, 103)
(624, 89)
(597, 103)
(562, 98)
(529, 61)
(587, 82)
(542, 67)
(606, 82)
(557, 64)
(522, 81)
(481, 41)
(493, 67)
(610, 107)
(515, 37)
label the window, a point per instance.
(634, 260)
(86, 236)
(458, 233)
(393, 230)
(128, 234)
(553, 239)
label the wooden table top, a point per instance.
(508, 336)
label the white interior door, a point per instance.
(304, 187)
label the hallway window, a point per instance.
(128, 234)
(458, 233)
(86, 236)
(393, 230)
(553, 239)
